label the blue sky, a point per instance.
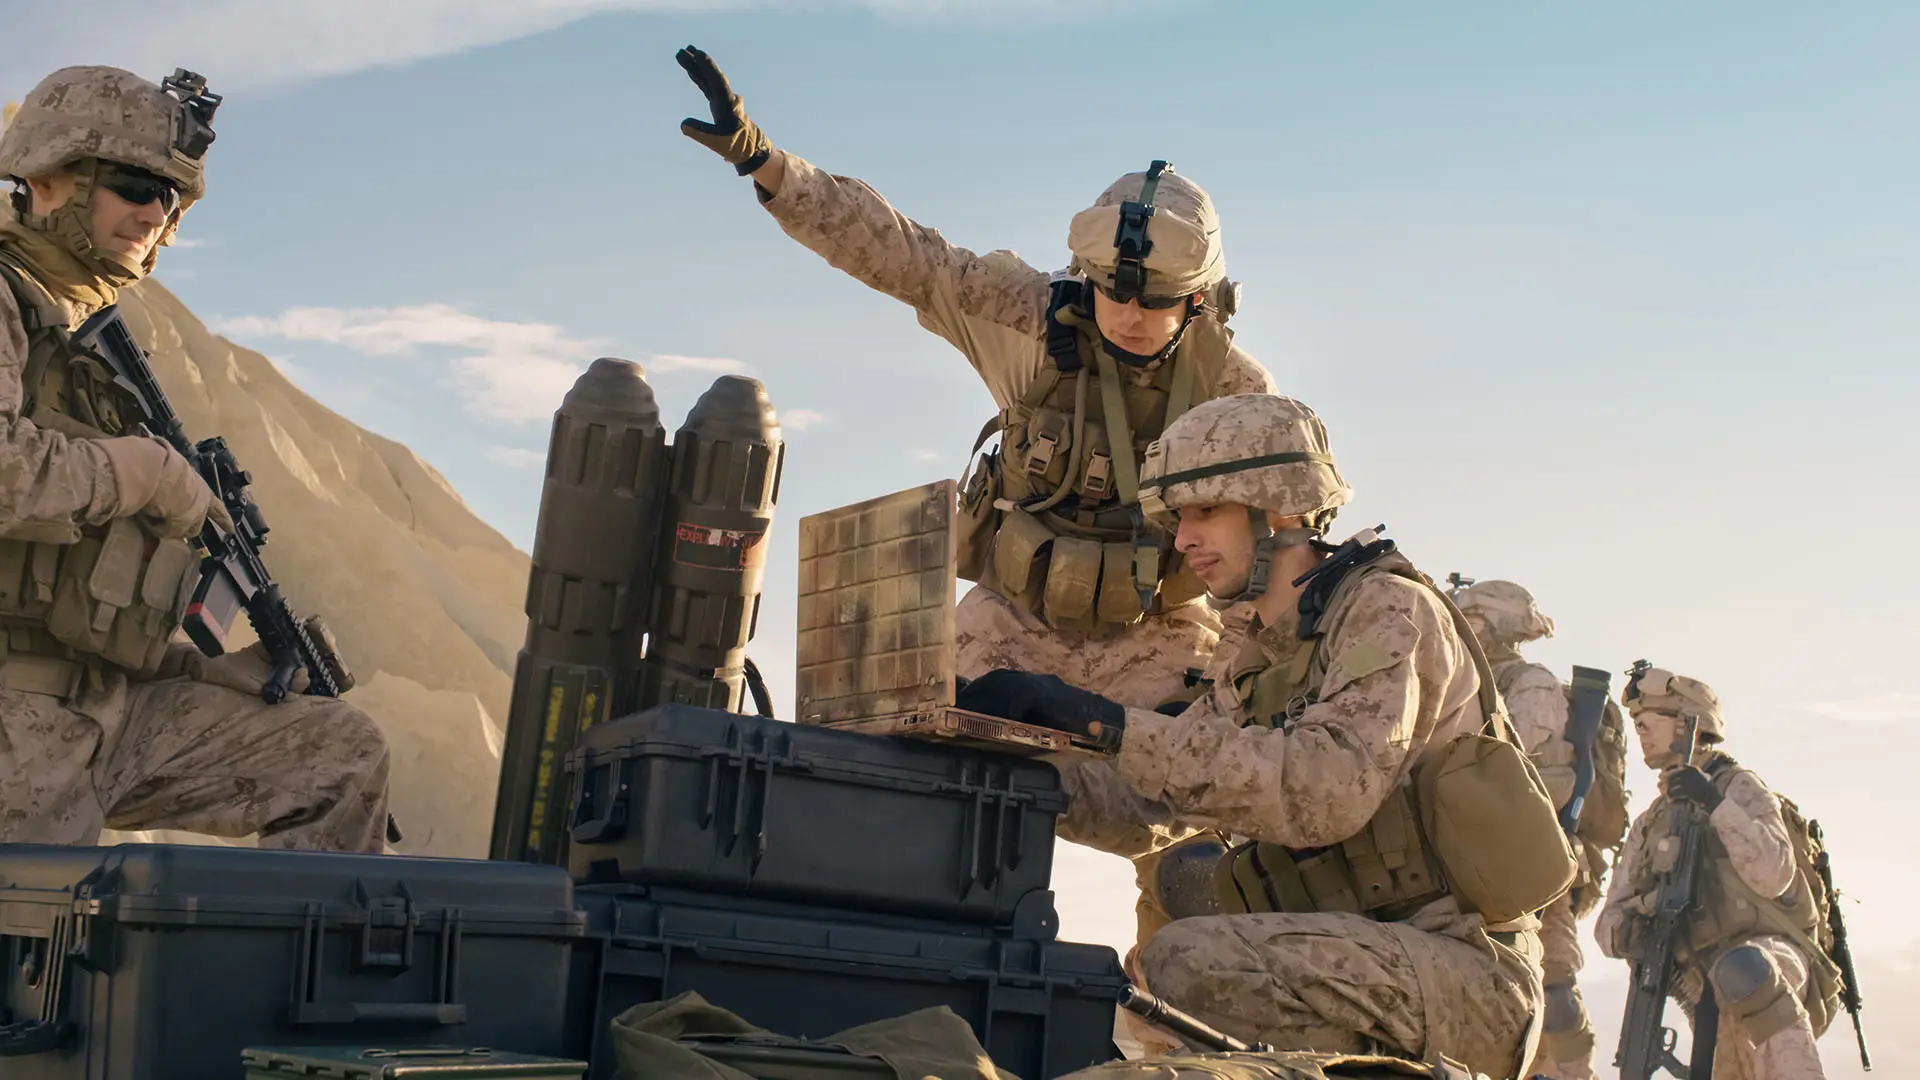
(1614, 300)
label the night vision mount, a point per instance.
(193, 132)
(1130, 239)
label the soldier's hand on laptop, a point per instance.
(1046, 701)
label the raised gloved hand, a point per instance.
(1046, 701)
(1689, 783)
(731, 135)
(160, 487)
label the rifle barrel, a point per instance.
(1187, 1026)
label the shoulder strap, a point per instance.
(1113, 409)
(1062, 345)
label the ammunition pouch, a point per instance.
(978, 517)
(1387, 871)
(118, 594)
(1493, 827)
(1073, 583)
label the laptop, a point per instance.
(875, 649)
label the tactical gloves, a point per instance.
(1692, 785)
(731, 134)
(157, 485)
(1046, 701)
(246, 670)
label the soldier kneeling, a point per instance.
(102, 720)
(1350, 731)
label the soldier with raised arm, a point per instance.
(1754, 931)
(104, 722)
(1087, 367)
(1349, 914)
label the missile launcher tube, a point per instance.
(587, 598)
(723, 483)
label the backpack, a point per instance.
(1604, 819)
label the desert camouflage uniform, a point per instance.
(192, 749)
(1537, 701)
(993, 309)
(1749, 826)
(1399, 684)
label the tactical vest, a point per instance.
(73, 600)
(1727, 911)
(1423, 843)
(1050, 519)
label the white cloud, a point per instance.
(719, 365)
(245, 45)
(504, 370)
(1889, 708)
(802, 419)
(514, 457)
(187, 244)
(924, 454)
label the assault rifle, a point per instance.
(1842, 953)
(232, 577)
(1187, 1026)
(1646, 1043)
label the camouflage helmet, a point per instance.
(1152, 234)
(1255, 450)
(1652, 689)
(78, 113)
(1506, 611)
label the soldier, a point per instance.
(1081, 364)
(1348, 677)
(103, 722)
(1753, 933)
(1504, 616)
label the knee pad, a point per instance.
(1183, 879)
(1563, 1013)
(1752, 992)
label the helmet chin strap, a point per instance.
(1140, 360)
(1267, 544)
(71, 226)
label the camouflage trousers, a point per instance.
(1340, 983)
(310, 772)
(1786, 1054)
(1566, 1033)
(1141, 665)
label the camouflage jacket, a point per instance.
(1394, 683)
(991, 307)
(50, 484)
(1748, 825)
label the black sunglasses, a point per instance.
(141, 187)
(1151, 303)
